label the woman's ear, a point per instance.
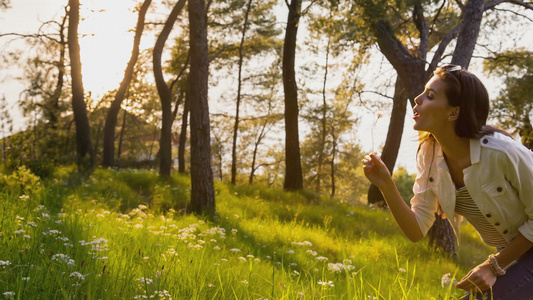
(454, 114)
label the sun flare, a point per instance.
(106, 39)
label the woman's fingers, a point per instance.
(367, 162)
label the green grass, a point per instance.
(126, 235)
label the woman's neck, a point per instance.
(456, 149)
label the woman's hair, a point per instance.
(464, 90)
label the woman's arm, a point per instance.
(376, 171)
(482, 278)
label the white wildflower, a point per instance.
(63, 258)
(326, 283)
(447, 280)
(143, 280)
(9, 295)
(235, 250)
(242, 258)
(304, 243)
(77, 275)
(5, 263)
(322, 258)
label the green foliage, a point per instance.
(514, 106)
(263, 243)
(21, 182)
(404, 181)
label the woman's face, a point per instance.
(432, 113)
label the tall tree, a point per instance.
(293, 165)
(239, 88)
(83, 130)
(112, 113)
(165, 95)
(202, 189)
(242, 31)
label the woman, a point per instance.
(468, 169)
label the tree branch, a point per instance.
(494, 3)
(437, 57)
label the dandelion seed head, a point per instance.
(5, 263)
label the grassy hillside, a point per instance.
(126, 235)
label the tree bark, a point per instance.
(83, 130)
(470, 25)
(239, 85)
(393, 140)
(293, 165)
(165, 95)
(183, 133)
(112, 113)
(202, 189)
(323, 122)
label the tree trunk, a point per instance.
(323, 123)
(183, 134)
(293, 165)
(83, 130)
(165, 95)
(121, 135)
(333, 155)
(54, 100)
(112, 113)
(239, 85)
(393, 140)
(202, 189)
(470, 25)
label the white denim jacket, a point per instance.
(500, 181)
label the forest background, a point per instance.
(269, 121)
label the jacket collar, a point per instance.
(475, 151)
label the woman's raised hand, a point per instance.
(376, 171)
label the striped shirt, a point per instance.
(466, 207)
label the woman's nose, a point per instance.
(418, 99)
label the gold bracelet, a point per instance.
(494, 266)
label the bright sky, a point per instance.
(106, 44)
(106, 40)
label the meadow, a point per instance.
(127, 235)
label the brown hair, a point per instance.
(464, 90)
